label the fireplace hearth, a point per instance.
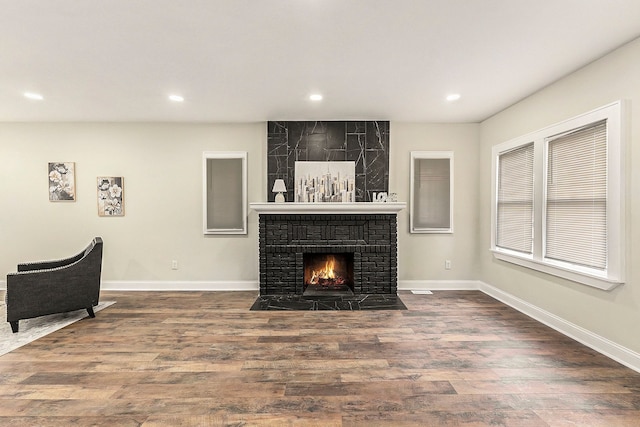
(328, 302)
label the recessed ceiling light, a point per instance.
(176, 98)
(453, 97)
(33, 95)
(315, 97)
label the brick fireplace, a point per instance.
(359, 240)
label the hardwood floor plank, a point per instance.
(456, 358)
(467, 419)
(55, 421)
(56, 391)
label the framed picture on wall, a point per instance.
(62, 182)
(110, 196)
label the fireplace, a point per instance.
(363, 248)
(328, 273)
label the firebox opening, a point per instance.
(328, 272)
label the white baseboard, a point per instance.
(438, 285)
(3, 285)
(620, 354)
(149, 285)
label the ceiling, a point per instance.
(256, 60)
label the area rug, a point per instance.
(32, 329)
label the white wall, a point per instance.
(162, 169)
(614, 315)
(421, 257)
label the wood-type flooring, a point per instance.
(454, 358)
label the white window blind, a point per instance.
(432, 190)
(514, 222)
(576, 197)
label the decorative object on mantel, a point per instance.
(325, 182)
(379, 197)
(279, 187)
(62, 182)
(383, 197)
(110, 196)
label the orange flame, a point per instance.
(326, 273)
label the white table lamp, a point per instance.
(279, 187)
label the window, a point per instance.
(515, 200)
(558, 199)
(431, 192)
(224, 192)
(576, 197)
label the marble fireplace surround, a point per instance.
(364, 142)
(289, 230)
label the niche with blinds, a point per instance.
(431, 193)
(224, 192)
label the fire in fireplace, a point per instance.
(328, 273)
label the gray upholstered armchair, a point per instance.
(41, 288)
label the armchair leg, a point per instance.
(14, 326)
(90, 311)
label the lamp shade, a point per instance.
(279, 187)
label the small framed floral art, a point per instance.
(110, 196)
(62, 182)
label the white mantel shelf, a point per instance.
(328, 208)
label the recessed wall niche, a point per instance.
(364, 142)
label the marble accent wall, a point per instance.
(364, 142)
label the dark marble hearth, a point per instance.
(328, 302)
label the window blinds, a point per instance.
(432, 198)
(515, 200)
(576, 197)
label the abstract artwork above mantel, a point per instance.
(324, 182)
(366, 143)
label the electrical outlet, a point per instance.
(447, 264)
(174, 264)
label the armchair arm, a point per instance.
(46, 265)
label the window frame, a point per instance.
(614, 274)
(430, 155)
